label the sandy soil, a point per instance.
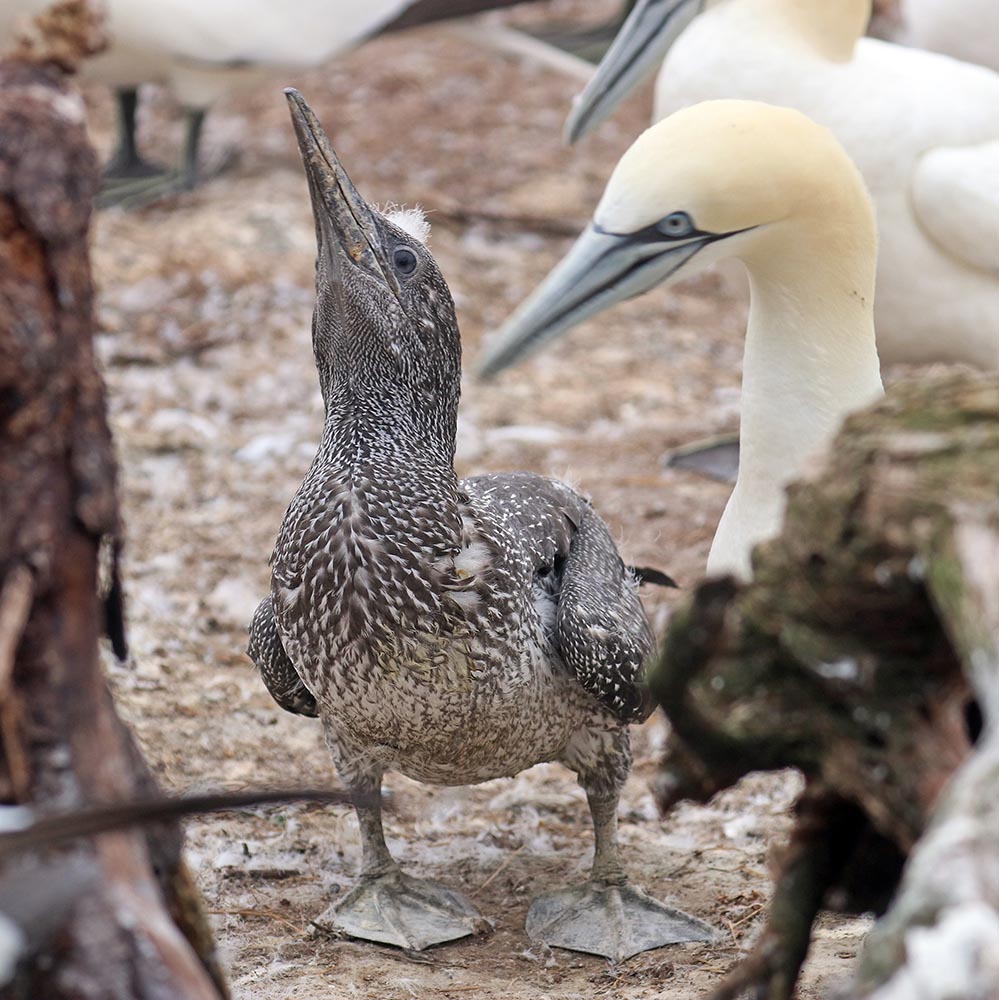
(205, 309)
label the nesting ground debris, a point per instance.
(205, 306)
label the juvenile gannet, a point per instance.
(922, 128)
(769, 187)
(453, 630)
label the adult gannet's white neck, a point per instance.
(771, 188)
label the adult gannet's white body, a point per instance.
(203, 49)
(964, 29)
(769, 187)
(922, 128)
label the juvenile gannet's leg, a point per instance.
(607, 916)
(388, 905)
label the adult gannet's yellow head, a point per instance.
(720, 179)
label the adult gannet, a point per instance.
(453, 630)
(203, 50)
(769, 187)
(922, 128)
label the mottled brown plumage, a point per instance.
(455, 631)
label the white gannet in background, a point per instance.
(964, 29)
(769, 187)
(922, 128)
(203, 50)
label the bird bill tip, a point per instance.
(577, 124)
(511, 345)
(304, 119)
(295, 100)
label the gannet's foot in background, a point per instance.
(616, 921)
(125, 166)
(139, 191)
(411, 913)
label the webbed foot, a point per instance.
(616, 921)
(139, 191)
(124, 166)
(411, 913)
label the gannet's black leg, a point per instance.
(195, 119)
(126, 163)
(390, 906)
(136, 190)
(607, 916)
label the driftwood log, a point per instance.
(866, 654)
(98, 922)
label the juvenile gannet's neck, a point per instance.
(832, 27)
(810, 359)
(374, 428)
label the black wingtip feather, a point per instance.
(648, 574)
(114, 607)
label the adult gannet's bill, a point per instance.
(922, 128)
(769, 187)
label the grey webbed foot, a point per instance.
(411, 913)
(124, 166)
(616, 921)
(140, 191)
(137, 192)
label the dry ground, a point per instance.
(205, 309)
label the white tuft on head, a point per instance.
(409, 220)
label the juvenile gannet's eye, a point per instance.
(404, 260)
(676, 224)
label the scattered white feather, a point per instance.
(472, 560)
(14, 818)
(409, 220)
(12, 947)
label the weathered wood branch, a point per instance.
(865, 653)
(61, 743)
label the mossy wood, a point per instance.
(866, 654)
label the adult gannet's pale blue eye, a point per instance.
(676, 224)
